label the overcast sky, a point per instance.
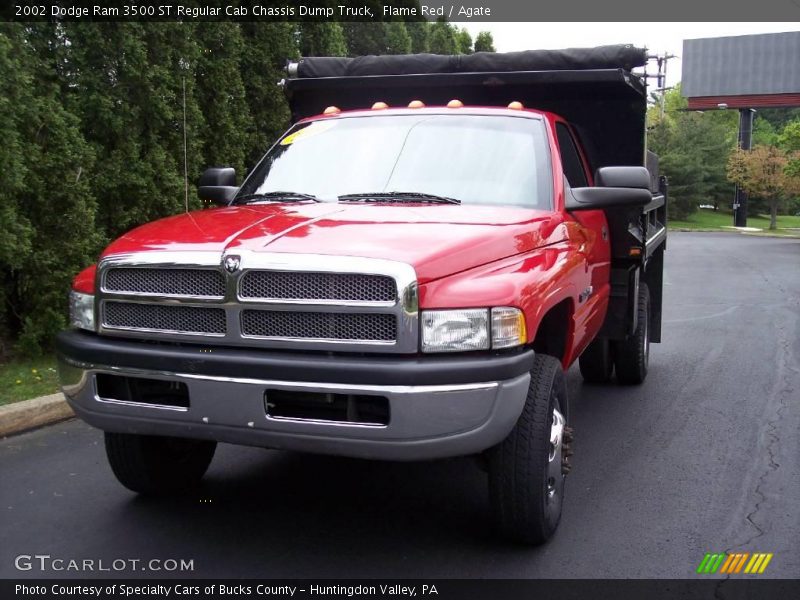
(657, 37)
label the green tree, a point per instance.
(779, 117)
(789, 138)
(398, 41)
(268, 45)
(484, 42)
(418, 32)
(129, 92)
(764, 132)
(322, 39)
(463, 41)
(693, 149)
(789, 141)
(53, 230)
(762, 172)
(173, 58)
(221, 94)
(776, 120)
(364, 38)
(16, 110)
(442, 39)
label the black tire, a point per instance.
(597, 362)
(631, 356)
(526, 499)
(154, 465)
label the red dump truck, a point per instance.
(405, 275)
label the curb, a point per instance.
(760, 233)
(767, 233)
(30, 414)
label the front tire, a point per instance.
(527, 470)
(632, 356)
(155, 465)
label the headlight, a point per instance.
(81, 310)
(455, 330)
(472, 329)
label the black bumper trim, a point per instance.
(87, 348)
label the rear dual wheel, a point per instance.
(597, 362)
(629, 358)
(632, 356)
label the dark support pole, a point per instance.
(745, 143)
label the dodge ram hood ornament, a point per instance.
(232, 263)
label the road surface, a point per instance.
(704, 457)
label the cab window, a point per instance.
(570, 159)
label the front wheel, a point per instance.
(157, 465)
(528, 469)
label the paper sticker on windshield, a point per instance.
(314, 129)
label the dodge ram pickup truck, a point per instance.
(405, 275)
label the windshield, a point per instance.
(476, 159)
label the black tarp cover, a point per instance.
(621, 56)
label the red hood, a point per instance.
(437, 240)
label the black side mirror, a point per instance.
(623, 177)
(218, 185)
(616, 187)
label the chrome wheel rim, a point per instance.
(555, 476)
(646, 350)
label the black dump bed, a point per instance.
(593, 88)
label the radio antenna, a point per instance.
(185, 154)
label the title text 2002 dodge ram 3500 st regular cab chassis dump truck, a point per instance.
(405, 275)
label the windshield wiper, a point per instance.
(275, 197)
(399, 197)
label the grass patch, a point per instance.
(708, 219)
(22, 379)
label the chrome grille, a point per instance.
(164, 317)
(275, 300)
(208, 283)
(366, 327)
(293, 285)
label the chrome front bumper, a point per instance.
(426, 421)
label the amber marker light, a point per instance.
(379, 106)
(332, 110)
(635, 251)
(416, 104)
(455, 104)
(508, 327)
(515, 105)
